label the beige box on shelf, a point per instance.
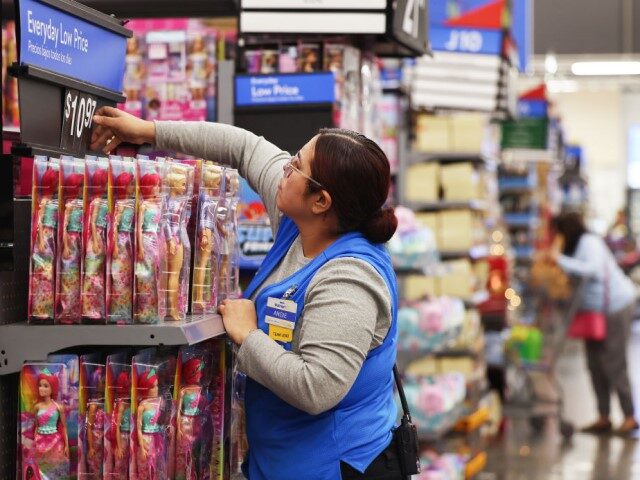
(430, 220)
(432, 133)
(455, 230)
(423, 366)
(460, 181)
(464, 365)
(459, 279)
(468, 132)
(422, 182)
(417, 287)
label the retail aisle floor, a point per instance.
(521, 455)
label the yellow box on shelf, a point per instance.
(432, 133)
(474, 421)
(459, 281)
(455, 230)
(460, 182)
(423, 182)
(419, 286)
(467, 132)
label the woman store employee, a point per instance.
(319, 402)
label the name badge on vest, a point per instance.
(280, 315)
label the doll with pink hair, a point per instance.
(189, 419)
(51, 441)
(44, 242)
(117, 455)
(120, 305)
(69, 287)
(93, 283)
(147, 308)
(150, 440)
(94, 427)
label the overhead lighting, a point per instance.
(550, 64)
(606, 68)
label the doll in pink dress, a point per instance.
(69, 274)
(95, 426)
(43, 255)
(148, 244)
(189, 420)
(150, 441)
(117, 456)
(51, 442)
(93, 285)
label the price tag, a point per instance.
(77, 119)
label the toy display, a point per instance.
(176, 211)
(44, 438)
(70, 229)
(44, 225)
(148, 302)
(205, 269)
(95, 242)
(120, 241)
(117, 425)
(134, 76)
(151, 439)
(227, 222)
(91, 418)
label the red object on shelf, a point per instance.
(497, 284)
(538, 93)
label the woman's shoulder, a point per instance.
(351, 272)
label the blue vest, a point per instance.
(289, 444)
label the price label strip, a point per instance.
(77, 120)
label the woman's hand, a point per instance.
(239, 318)
(113, 126)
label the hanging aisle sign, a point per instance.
(71, 63)
(60, 42)
(288, 89)
(466, 40)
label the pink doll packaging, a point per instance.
(69, 395)
(96, 221)
(44, 437)
(152, 446)
(218, 409)
(120, 240)
(176, 212)
(117, 423)
(227, 222)
(207, 243)
(44, 239)
(91, 417)
(134, 76)
(70, 241)
(148, 294)
(193, 415)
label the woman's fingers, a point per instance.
(112, 145)
(102, 139)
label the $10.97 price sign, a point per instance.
(77, 119)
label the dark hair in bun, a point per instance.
(356, 173)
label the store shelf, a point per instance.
(474, 351)
(475, 465)
(477, 205)
(441, 341)
(450, 157)
(20, 342)
(475, 253)
(473, 421)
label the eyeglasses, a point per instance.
(289, 167)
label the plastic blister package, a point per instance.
(176, 212)
(194, 432)
(153, 416)
(205, 268)
(91, 417)
(227, 222)
(121, 240)
(44, 439)
(44, 239)
(149, 304)
(70, 240)
(95, 241)
(117, 425)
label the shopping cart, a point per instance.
(532, 387)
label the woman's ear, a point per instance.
(322, 203)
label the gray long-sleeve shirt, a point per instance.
(594, 262)
(347, 308)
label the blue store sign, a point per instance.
(63, 43)
(261, 90)
(532, 108)
(466, 40)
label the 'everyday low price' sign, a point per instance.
(284, 89)
(63, 43)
